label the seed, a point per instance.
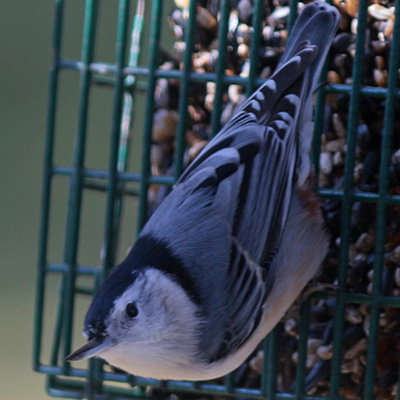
(353, 315)
(325, 352)
(338, 126)
(379, 12)
(366, 242)
(326, 162)
(312, 345)
(356, 350)
(352, 7)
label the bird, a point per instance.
(232, 246)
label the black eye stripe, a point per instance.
(131, 310)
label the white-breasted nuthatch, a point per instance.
(235, 242)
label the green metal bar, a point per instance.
(57, 336)
(359, 298)
(319, 117)
(76, 183)
(366, 197)
(196, 385)
(293, 14)
(155, 23)
(95, 379)
(361, 196)
(63, 393)
(80, 270)
(386, 152)
(365, 91)
(109, 243)
(130, 86)
(127, 119)
(347, 202)
(230, 382)
(104, 68)
(259, 6)
(118, 155)
(123, 176)
(398, 387)
(46, 190)
(65, 389)
(184, 90)
(265, 373)
(113, 205)
(225, 8)
(55, 351)
(102, 187)
(302, 349)
(76, 388)
(86, 291)
(49, 370)
(130, 81)
(318, 128)
(270, 363)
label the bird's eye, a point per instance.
(131, 310)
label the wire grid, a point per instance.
(64, 380)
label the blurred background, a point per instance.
(25, 58)
(25, 48)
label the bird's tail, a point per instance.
(303, 59)
(315, 26)
(284, 103)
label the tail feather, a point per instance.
(316, 25)
(297, 76)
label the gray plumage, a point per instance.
(240, 234)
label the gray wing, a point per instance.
(223, 223)
(263, 133)
(224, 220)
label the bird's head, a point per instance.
(135, 314)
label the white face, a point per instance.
(152, 328)
(139, 315)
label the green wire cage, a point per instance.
(374, 369)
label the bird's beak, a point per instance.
(91, 348)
